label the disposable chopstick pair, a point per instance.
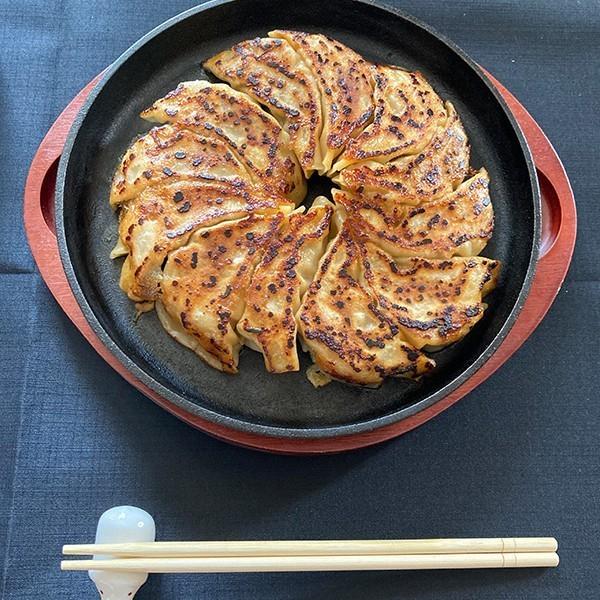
(337, 555)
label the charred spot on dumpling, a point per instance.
(215, 110)
(346, 332)
(437, 170)
(433, 302)
(408, 113)
(274, 74)
(345, 83)
(157, 156)
(212, 273)
(457, 224)
(163, 217)
(279, 283)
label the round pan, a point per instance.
(254, 400)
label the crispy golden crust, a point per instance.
(408, 113)
(272, 73)
(170, 152)
(433, 302)
(163, 217)
(345, 85)
(458, 224)
(348, 337)
(278, 284)
(204, 286)
(434, 172)
(215, 110)
(211, 241)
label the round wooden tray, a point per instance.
(559, 227)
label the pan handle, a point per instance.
(41, 180)
(558, 203)
(39, 190)
(38, 206)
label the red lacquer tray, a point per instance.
(559, 226)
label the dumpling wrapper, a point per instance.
(369, 309)
(458, 224)
(163, 218)
(437, 170)
(348, 337)
(170, 152)
(345, 84)
(273, 73)
(216, 110)
(279, 283)
(433, 302)
(408, 113)
(204, 287)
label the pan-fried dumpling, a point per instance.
(433, 302)
(163, 217)
(345, 84)
(274, 74)
(434, 172)
(172, 152)
(204, 287)
(213, 241)
(407, 114)
(278, 284)
(459, 224)
(215, 110)
(348, 337)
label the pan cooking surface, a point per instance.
(254, 400)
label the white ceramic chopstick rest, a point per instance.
(118, 525)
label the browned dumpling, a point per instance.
(170, 152)
(458, 224)
(433, 302)
(413, 179)
(215, 110)
(347, 335)
(204, 287)
(345, 84)
(407, 115)
(278, 284)
(212, 239)
(273, 73)
(163, 217)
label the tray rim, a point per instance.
(547, 283)
(225, 432)
(272, 430)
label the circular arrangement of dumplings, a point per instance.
(216, 239)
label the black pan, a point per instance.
(255, 401)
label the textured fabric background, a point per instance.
(519, 456)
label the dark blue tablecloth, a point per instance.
(519, 456)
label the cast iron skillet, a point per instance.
(255, 401)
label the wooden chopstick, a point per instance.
(316, 547)
(247, 564)
(316, 555)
